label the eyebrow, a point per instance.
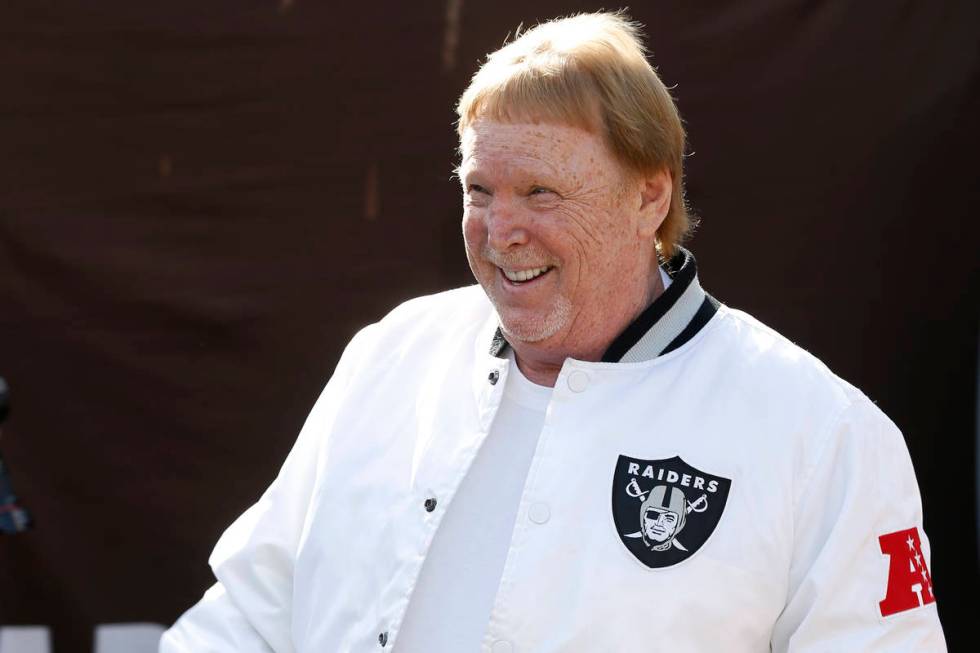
(515, 176)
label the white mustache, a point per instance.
(522, 258)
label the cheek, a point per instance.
(474, 233)
(619, 241)
(471, 224)
(601, 246)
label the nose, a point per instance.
(506, 227)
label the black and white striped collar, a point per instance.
(670, 321)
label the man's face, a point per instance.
(659, 525)
(551, 228)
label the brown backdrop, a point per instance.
(201, 202)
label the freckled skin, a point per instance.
(542, 194)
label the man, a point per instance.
(476, 474)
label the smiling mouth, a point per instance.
(524, 276)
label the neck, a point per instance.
(541, 362)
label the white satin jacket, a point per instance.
(810, 541)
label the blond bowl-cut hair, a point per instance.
(589, 71)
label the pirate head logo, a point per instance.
(662, 516)
(665, 510)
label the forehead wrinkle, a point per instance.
(561, 157)
(532, 138)
(511, 166)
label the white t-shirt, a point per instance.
(450, 607)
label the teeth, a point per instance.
(525, 275)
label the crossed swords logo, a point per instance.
(634, 490)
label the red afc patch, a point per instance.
(909, 582)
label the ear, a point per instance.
(655, 194)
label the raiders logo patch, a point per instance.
(665, 510)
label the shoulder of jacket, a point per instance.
(774, 365)
(767, 362)
(433, 315)
(423, 321)
(760, 349)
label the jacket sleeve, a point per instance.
(859, 577)
(249, 610)
(213, 625)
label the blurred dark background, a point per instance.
(201, 202)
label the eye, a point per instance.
(476, 188)
(541, 190)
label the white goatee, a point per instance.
(540, 327)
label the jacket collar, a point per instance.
(671, 320)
